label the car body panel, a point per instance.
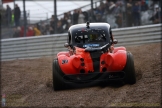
(73, 64)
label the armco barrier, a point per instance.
(50, 45)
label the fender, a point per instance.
(63, 53)
(80, 62)
(113, 61)
(119, 48)
(66, 64)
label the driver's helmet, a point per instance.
(93, 37)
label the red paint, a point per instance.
(113, 61)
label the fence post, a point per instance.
(55, 13)
(14, 3)
(24, 18)
(92, 10)
(125, 14)
(160, 11)
(29, 16)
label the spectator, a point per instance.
(30, 32)
(107, 4)
(118, 14)
(156, 18)
(117, 9)
(51, 31)
(121, 3)
(43, 28)
(59, 27)
(111, 7)
(69, 16)
(53, 16)
(136, 14)
(81, 17)
(22, 32)
(101, 3)
(129, 6)
(86, 16)
(154, 2)
(8, 15)
(52, 23)
(92, 16)
(65, 14)
(12, 18)
(98, 18)
(67, 27)
(99, 11)
(17, 14)
(102, 6)
(47, 29)
(64, 23)
(144, 6)
(75, 17)
(16, 32)
(54, 20)
(37, 31)
(38, 26)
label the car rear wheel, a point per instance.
(58, 82)
(130, 76)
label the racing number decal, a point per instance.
(64, 61)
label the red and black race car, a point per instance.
(92, 58)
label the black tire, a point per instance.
(130, 76)
(58, 83)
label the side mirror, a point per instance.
(115, 41)
(66, 44)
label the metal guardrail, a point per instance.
(50, 45)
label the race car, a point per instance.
(91, 58)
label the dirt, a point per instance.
(29, 83)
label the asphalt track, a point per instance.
(29, 83)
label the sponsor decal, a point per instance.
(91, 45)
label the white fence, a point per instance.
(50, 45)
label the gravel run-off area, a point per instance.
(28, 82)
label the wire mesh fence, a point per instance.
(118, 13)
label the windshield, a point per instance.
(90, 38)
(96, 37)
